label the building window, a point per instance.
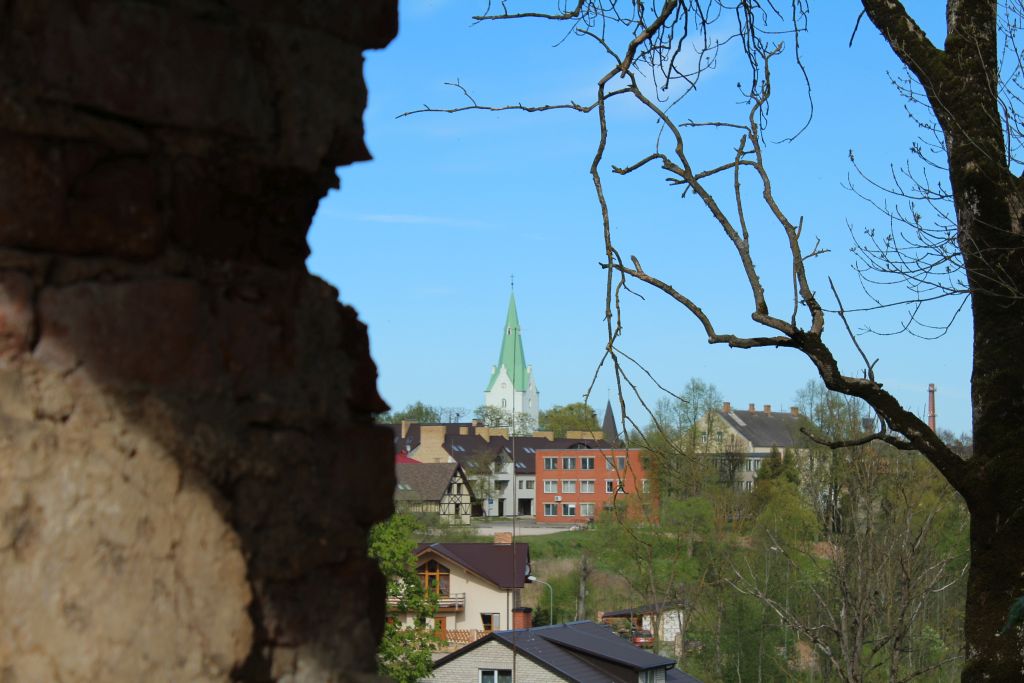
(645, 486)
(703, 437)
(757, 464)
(748, 486)
(529, 484)
(504, 403)
(435, 576)
(609, 486)
(568, 463)
(551, 463)
(645, 677)
(522, 484)
(568, 509)
(550, 486)
(568, 486)
(587, 509)
(586, 486)
(498, 676)
(550, 509)
(491, 622)
(586, 463)
(609, 462)
(622, 463)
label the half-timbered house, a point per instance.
(440, 488)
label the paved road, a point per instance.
(523, 527)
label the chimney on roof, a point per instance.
(503, 538)
(931, 407)
(768, 408)
(522, 617)
(752, 407)
(726, 407)
(794, 411)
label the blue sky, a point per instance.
(423, 239)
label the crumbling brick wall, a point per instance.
(188, 464)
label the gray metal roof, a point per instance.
(765, 430)
(575, 651)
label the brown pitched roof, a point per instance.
(423, 481)
(504, 565)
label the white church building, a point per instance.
(512, 388)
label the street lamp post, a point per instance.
(551, 597)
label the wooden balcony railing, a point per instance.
(455, 602)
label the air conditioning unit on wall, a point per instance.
(558, 499)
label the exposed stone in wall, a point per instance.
(188, 465)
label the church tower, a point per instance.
(511, 387)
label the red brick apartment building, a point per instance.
(575, 485)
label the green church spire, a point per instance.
(511, 357)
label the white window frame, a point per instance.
(586, 509)
(551, 463)
(587, 486)
(568, 486)
(529, 484)
(587, 463)
(550, 509)
(609, 486)
(550, 486)
(569, 462)
(496, 672)
(566, 507)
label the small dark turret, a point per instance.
(611, 434)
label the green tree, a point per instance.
(493, 416)
(415, 412)
(571, 417)
(678, 439)
(404, 651)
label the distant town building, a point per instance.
(575, 485)
(512, 388)
(439, 488)
(742, 439)
(501, 469)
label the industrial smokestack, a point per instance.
(931, 407)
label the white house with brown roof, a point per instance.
(477, 584)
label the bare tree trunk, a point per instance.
(581, 596)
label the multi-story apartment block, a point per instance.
(574, 485)
(740, 440)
